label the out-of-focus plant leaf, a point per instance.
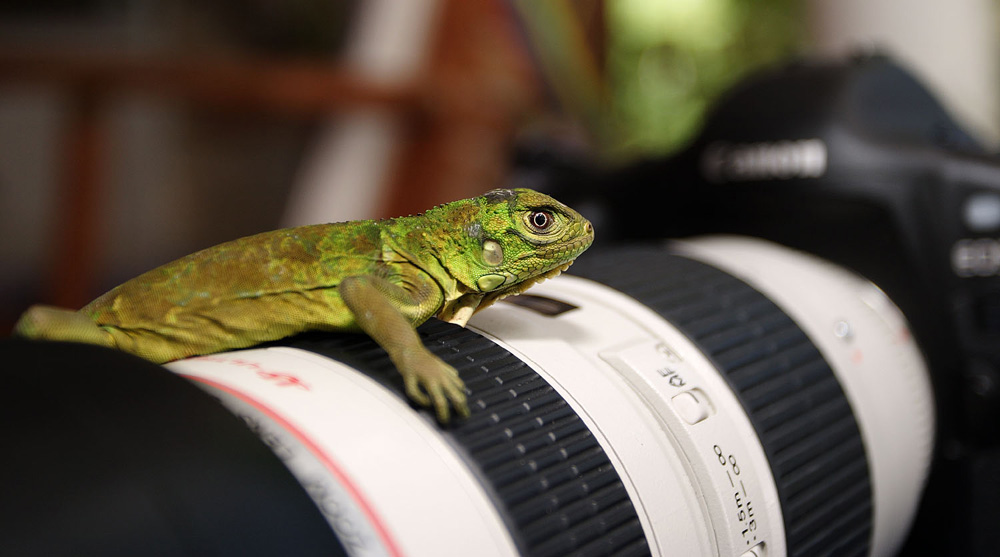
(668, 60)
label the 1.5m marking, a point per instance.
(743, 504)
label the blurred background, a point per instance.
(133, 132)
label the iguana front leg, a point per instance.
(371, 300)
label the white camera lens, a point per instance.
(721, 396)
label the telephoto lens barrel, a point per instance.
(720, 396)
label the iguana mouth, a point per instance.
(574, 246)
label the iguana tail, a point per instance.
(52, 323)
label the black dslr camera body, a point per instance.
(856, 162)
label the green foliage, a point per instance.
(668, 60)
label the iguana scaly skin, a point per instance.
(380, 277)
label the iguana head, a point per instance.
(507, 240)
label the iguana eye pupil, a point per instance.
(541, 220)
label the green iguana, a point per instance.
(381, 277)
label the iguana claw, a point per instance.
(429, 381)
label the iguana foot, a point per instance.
(428, 380)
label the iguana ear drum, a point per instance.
(722, 396)
(492, 252)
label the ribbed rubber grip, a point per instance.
(552, 481)
(794, 401)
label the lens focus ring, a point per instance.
(558, 491)
(793, 399)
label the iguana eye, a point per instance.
(540, 221)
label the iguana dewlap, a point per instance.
(381, 277)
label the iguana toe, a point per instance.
(431, 382)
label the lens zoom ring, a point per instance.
(794, 401)
(554, 484)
